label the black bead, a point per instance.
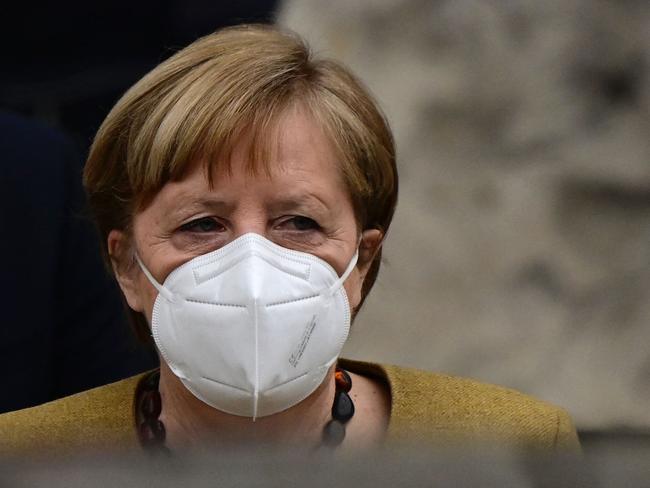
(343, 408)
(333, 433)
(152, 432)
(158, 428)
(151, 404)
(150, 383)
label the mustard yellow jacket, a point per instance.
(426, 407)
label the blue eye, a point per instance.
(205, 224)
(302, 223)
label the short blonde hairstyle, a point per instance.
(195, 105)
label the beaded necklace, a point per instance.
(151, 430)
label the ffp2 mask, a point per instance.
(251, 328)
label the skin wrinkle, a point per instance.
(187, 207)
(288, 158)
(307, 165)
(206, 99)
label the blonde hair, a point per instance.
(195, 106)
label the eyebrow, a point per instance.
(308, 200)
(186, 205)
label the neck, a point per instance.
(189, 422)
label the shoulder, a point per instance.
(429, 406)
(102, 416)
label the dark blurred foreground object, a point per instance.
(67, 63)
(63, 329)
(612, 464)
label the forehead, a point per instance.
(295, 148)
(298, 159)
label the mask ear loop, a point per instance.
(164, 292)
(353, 262)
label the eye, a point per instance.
(300, 223)
(202, 225)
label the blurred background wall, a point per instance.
(521, 246)
(520, 252)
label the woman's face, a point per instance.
(303, 204)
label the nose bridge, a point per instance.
(250, 216)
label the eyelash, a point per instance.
(301, 219)
(193, 226)
(297, 220)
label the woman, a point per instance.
(243, 191)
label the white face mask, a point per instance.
(252, 328)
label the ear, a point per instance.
(371, 241)
(119, 247)
(370, 244)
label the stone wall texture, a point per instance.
(520, 252)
